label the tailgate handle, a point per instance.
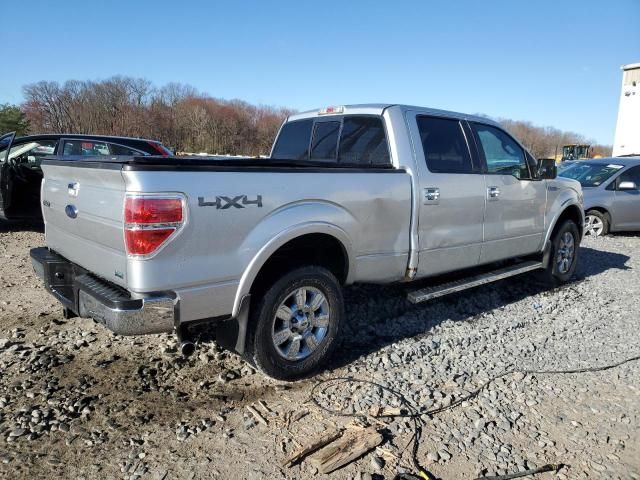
(72, 189)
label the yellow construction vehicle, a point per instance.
(575, 151)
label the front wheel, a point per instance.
(295, 325)
(564, 253)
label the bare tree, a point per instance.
(182, 118)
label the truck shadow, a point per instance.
(377, 316)
(9, 226)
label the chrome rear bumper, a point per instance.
(91, 297)
(155, 315)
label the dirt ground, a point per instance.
(79, 402)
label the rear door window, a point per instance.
(87, 148)
(325, 141)
(363, 141)
(293, 141)
(444, 145)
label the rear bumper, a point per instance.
(91, 297)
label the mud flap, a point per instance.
(546, 254)
(232, 334)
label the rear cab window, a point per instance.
(350, 140)
(293, 141)
(364, 141)
(324, 145)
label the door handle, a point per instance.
(431, 196)
(493, 193)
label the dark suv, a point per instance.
(20, 157)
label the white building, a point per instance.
(627, 139)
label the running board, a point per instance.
(443, 289)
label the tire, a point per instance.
(563, 257)
(295, 325)
(596, 223)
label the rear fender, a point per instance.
(286, 224)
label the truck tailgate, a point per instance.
(82, 209)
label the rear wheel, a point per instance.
(596, 223)
(296, 323)
(564, 253)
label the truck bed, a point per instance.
(237, 210)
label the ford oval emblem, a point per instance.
(71, 211)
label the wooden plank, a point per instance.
(350, 447)
(377, 411)
(256, 414)
(312, 446)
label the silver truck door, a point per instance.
(625, 213)
(451, 193)
(516, 199)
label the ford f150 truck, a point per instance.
(262, 247)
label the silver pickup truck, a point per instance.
(262, 247)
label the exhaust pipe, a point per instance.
(187, 347)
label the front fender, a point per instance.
(287, 223)
(566, 199)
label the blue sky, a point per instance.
(548, 61)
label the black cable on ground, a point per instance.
(416, 415)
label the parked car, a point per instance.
(562, 166)
(20, 158)
(262, 246)
(611, 193)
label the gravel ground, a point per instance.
(78, 402)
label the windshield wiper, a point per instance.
(630, 155)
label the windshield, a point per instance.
(590, 174)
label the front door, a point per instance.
(5, 147)
(516, 199)
(626, 208)
(451, 195)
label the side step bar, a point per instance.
(443, 289)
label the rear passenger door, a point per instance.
(452, 195)
(516, 198)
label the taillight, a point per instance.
(150, 221)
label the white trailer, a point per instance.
(627, 138)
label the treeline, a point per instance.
(546, 142)
(176, 114)
(189, 121)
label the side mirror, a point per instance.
(547, 168)
(627, 186)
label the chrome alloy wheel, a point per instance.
(566, 252)
(300, 323)
(593, 226)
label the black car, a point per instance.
(20, 157)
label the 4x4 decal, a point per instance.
(222, 203)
